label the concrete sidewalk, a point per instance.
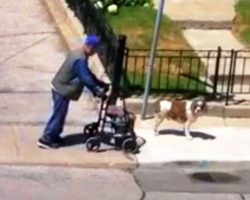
(215, 140)
(201, 14)
(18, 147)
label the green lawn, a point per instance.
(242, 21)
(166, 82)
(138, 23)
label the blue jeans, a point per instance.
(56, 121)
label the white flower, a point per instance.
(99, 4)
(112, 9)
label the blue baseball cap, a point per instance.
(92, 41)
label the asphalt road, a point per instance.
(40, 183)
(168, 182)
(184, 181)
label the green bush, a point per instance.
(242, 20)
(242, 7)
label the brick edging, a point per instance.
(68, 26)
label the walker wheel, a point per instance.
(90, 130)
(129, 145)
(93, 144)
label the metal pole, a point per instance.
(151, 59)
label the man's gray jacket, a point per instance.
(66, 81)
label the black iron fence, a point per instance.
(212, 72)
(94, 22)
(240, 72)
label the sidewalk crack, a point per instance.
(23, 50)
(15, 135)
(27, 34)
(137, 182)
(242, 197)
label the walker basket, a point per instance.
(124, 124)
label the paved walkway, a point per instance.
(215, 140)
(18, 146)
(199, 10)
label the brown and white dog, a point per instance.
(184, 112)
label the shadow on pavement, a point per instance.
(73, 139)
(195, 134)
(80, 139)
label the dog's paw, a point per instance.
(189, 137)
(156, 132)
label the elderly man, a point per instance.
(67, 85)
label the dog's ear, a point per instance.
(197, 101)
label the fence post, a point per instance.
(118, 65)
(126, 83)
(233, 72)
(230, 75)
(216, 72)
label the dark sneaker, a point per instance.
(47, 145)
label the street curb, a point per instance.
(202, 165)
(96, 165)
